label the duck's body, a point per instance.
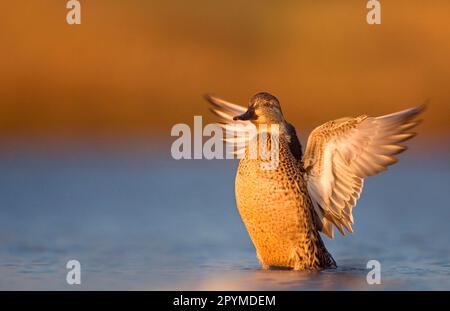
(277, 212)
(285, 207)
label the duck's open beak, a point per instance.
(248, 115)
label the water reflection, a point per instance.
(258, 279)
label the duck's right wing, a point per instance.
(237, 133)
(341, 153)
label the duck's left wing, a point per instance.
(341, 153)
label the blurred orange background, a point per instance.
(135, 68)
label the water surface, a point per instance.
(140, 221)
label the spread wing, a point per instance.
(236, 133)
(341, 153)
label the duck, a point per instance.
(287, 208)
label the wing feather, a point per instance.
(341, 153)
(237, 133)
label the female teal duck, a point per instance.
(285, 208)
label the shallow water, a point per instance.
(141, 221)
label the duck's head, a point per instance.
(263, 108)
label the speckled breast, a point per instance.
(272, 204)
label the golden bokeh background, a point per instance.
(135, 68)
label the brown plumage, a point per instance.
(284, 208)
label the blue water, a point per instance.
(137, 220)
